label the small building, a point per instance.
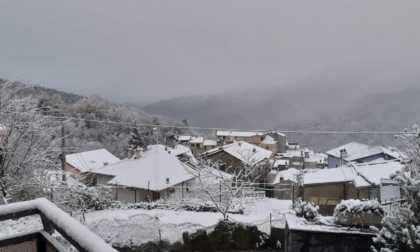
(155, 175)
(326, 188)
(238, 155)
(196, 145)
(281, 184)
(83, 162)
(173, 140)
(303, 235)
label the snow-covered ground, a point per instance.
(137, 226)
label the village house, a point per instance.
(328, 187)
(227, 137)
(152, 175)
(83, 162)
(281, 184)
(196, 145)
(238, 155)
(303, 158)
(173, 140)
(269, 144)
(360, 153)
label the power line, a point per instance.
(229, 129)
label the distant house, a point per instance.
(227, 137)
(280, 165)
(83, 162)
(196, 145)
(239, 154)
(154, 175)
(360, 153)
(302, 158)
(173, 140)
(209, 144)
(280, 184)
(269, 144)
(328, 187)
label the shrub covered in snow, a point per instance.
(359, 206)
(307, 210)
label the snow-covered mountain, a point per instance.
(355, 98)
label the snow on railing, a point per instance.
(77, 234)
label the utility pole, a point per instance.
(63, 153)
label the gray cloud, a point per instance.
(141, 51)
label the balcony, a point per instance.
(52, 218)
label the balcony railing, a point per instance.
(52, 218)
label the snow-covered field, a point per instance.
(138, 226)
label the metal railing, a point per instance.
(52, 219)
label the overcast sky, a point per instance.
(143, 51)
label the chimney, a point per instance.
(254, 150)
(281, 179)
(137, 153)
(343, 153)
(240, 143)
(106, 163)
(167, 180)
(129, 153)
(306, 154)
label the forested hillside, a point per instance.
(93, 122)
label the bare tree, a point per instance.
(27, 146)
(223, 190)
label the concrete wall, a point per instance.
(307, 241)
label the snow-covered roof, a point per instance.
(289, 174)
(210, 142)
(268, 140)
(362, 175)
(325, 225)
(91, 160)
(374, 172)
(184, 138)
(239, 133)
(356, 151)
(149, 171)
(246, 152)
(180, 149)
(335, 175)
(197, 140)
(280, 162)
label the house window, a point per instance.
(172, 190)
(192, 145)
(267, 148)
(197, 146)
(222, 167)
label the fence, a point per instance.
(143, 232)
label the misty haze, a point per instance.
(210, 125)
